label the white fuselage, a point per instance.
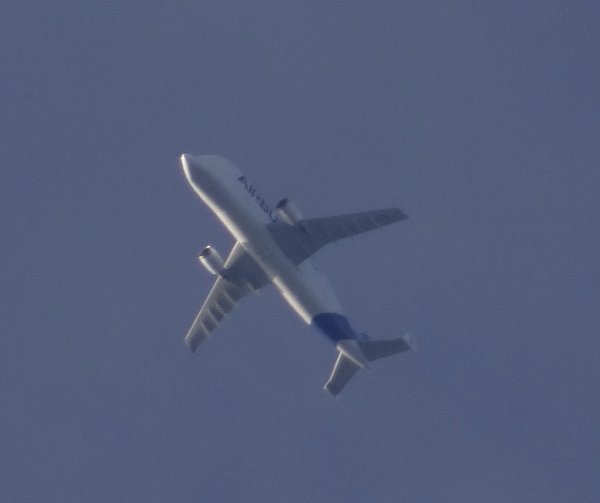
(244, 212)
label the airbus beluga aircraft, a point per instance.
(274, 246)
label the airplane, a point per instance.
(273, 246)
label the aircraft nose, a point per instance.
(186, 162)
(193, 170)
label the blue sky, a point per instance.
(479, 119)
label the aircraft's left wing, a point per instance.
(302, 240)
(243, 275)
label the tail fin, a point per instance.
(348, 361)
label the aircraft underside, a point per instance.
(274, 246)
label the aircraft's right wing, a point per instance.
(243, 275)
(302, 240)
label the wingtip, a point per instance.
(330, 392)
(192, 344)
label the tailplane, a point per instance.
(353, 355)
(373, 350)
(343, 370)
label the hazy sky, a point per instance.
(480, 119)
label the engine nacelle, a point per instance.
(211, 260)
(287, 211)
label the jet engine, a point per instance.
(211, 260)
(287, 211)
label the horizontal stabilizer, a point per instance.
(343, 370)
(373, 350)
(352, 355)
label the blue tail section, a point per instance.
(335, 326)
(354, 350)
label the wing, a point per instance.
(241, 276)
(302, 240)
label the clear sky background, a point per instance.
(480, 119)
